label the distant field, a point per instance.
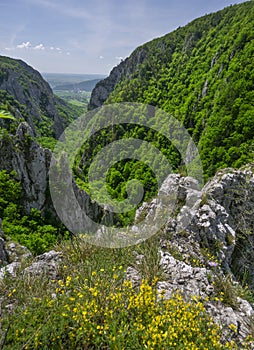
(55, 79)
(80, 98)
(78, 103)
(69, 89)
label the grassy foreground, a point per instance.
(91, 305)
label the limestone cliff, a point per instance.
(222, 220)
(31, 162)
(28, 88)
(208, 256)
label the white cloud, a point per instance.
(24, 45)
(39, 47)
(101, 57)
(68, 53)
(119, 58)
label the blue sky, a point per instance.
(81, 36)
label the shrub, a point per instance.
(93, 315)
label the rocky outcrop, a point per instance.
(198, 283)
(222, 219)
(205, 256)
(16, 252)
(28, 87)
(199, 258)
(31, 163)
(45, 264)
(234, 191)
(11, 255)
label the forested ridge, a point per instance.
(202, 74)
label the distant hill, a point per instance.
(55, 79)
(83, 86)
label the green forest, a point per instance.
(203, 75)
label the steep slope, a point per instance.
(203, 74)
(26, 94)
(30, 117)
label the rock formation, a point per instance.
(214, 250)
(27, 86)
(30, 161)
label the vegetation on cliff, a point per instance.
(28, 97)
(202, 74)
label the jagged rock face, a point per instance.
(103, 88)
(28, 87)
(234, 191)
(222, 219)
(219, 217)
(223, 225)
(31, 162)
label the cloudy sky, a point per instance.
(81, 36)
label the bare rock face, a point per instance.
(47, 263)
(222, 218)
(234, 191)
(192, 281)
(198, 256)
(31, 163)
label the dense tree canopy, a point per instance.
(202, 74)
